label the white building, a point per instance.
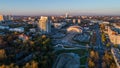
(32, 30)
(4, 27)
(59, 25)
(116, 26)
(96, 21)
(19, 29)
(44, 24)
(66, 15)
(74, 21)
(68, 20)
(105, 22)
(75, 29)
(29, 18)
(8, 18)
(23, 37)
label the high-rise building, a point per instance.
(29, 18)
(74, 21)
(8, 18)
(79, 21)
(53, 17)
(66, 15)
(44, 24)
(1, 18)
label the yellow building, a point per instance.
(114, 37)
(44, 24)
(1, 17)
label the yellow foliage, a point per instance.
(92, 54)
(34, 64)
(43, 36)
(3, 66)
(91, 64)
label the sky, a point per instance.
(60, 7)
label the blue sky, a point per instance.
(60, 7)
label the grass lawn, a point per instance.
(83, 60)
(82, 67)
(80, 52)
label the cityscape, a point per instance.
(39, 36)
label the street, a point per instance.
(100, 45)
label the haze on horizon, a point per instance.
(60, 7)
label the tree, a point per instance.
(116, 45)
(2, 54)
(108, 58)
(103, 65)
(44, 64)
(34, 64)
(92, 53)
(3, 66)
(44, 37)
(113, 65)
(46, 42)
(103, 37)
(32, 43)
(96, 57)
(108, 44)
(102, 26)
(27, 65)
(91, 64)
(16, 66)
(12, 65)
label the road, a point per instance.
(100, 45)
(69, 37)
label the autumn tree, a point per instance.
(91, 64)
